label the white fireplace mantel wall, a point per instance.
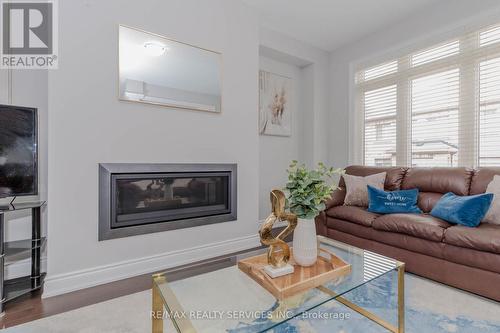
(89, 125)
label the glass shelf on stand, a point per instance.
(21, 249)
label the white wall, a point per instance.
(276, 152)
(314, 64)
(89, 125)
(435, 23)
(308, 67)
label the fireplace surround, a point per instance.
(137, 199)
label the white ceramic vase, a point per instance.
(305, 245)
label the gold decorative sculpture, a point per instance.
(278, 254)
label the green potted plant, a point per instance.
(307, 190)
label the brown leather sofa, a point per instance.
(466, 258)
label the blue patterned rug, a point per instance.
(430, 307)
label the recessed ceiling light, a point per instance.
(155, 49)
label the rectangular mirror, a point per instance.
(158, 70)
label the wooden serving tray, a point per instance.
(301, 280)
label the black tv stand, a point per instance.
(14, 288)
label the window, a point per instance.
(434, 119)
(380, 125)
(380, 70)
(435, 53)
(489, 115)
(489, 36)
(437, 106)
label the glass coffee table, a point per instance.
(225, 299)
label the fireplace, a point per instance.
(137, 199)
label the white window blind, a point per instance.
(434, 119)
(380, 70)
(489, 36)
(489, 119)
(380, 126)
(435, 53)
(435, 106)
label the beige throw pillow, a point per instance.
(493, 214)
(357, 188)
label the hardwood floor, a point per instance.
(33, 307)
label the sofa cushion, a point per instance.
(390, 202)
(394, 175)
(438, 180)
(416, 225)
(352, 214)
(486, 237)
(427, 200)
(466, 210)
(481, 178)
(349, 227)
(409, 243)
(357, 188)
(472, 258)
(493, 214)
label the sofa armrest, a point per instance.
(337, 198)
(321, 228)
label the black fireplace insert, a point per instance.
(143, 198)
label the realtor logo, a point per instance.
(29, 34)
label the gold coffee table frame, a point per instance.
(165, 298)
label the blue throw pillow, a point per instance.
(464, 210)
(382, 202)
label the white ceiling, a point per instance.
(328, 24)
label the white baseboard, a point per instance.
(68, 282)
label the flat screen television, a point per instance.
(18, 151)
